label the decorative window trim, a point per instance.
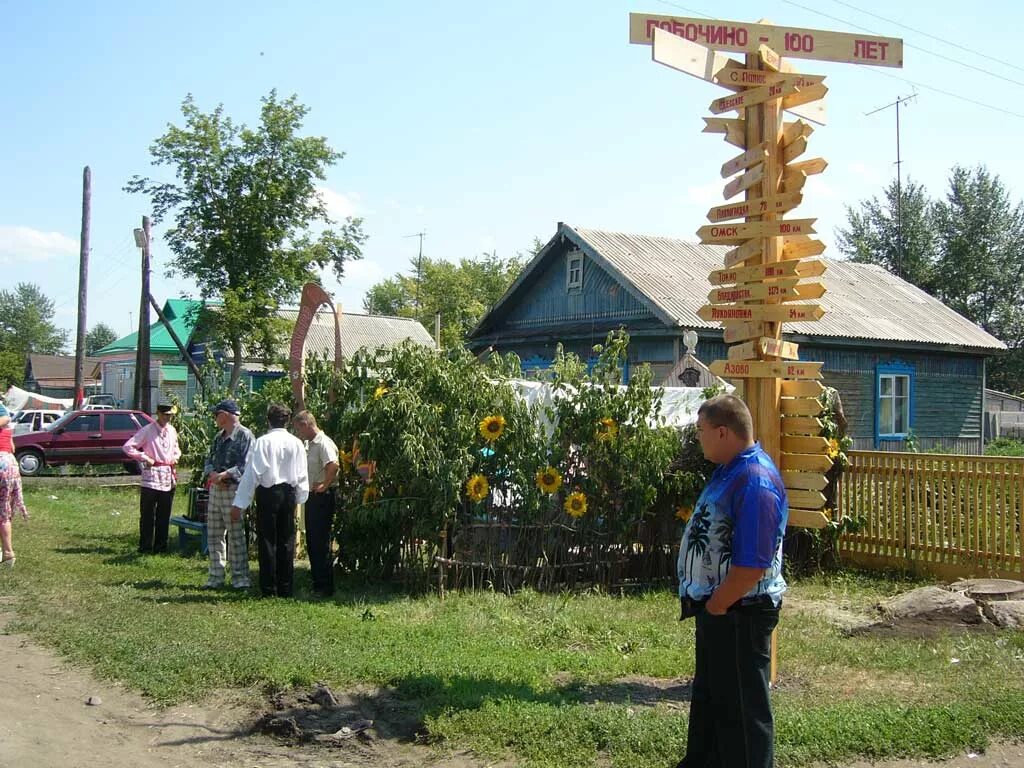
(892, 370)
(574, 271)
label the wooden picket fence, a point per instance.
(946, 515)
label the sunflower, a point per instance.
(576, 504)
(549, 480)
(684, 513)
(607, 429)
(370, 494)
(380, 391)
(492, 427)
(833, 448)
(345, 459)
(477, 488)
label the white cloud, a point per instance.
(339, 206)
(21, 244)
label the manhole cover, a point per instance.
(995, 589)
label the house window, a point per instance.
(895, 398)
(574, 271)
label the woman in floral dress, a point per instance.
(10, 486)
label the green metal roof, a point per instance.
(181, 317)
(173, 372)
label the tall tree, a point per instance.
(461, 293)
(26, 322)
(245, 205)
(98, 337)
(873, 234)
(980, 269)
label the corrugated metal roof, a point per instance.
(357, 331)
(863, 301)
(182, 317)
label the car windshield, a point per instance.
(63, 420)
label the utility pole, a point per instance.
(83, 281)
(419, 268)
(143, 400)
(899, 179)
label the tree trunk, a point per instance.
(236, 363)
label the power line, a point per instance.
(933, 37)
(908, 45)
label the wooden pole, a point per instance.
(178, 343)
(83, 282)
(142, 381)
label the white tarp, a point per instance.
(678, 404)
(18, 399)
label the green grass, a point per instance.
(549, 680)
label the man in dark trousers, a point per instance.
(322, 468)
(155, 448)
(730, 579)
(276, 475)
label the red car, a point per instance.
(80, 437)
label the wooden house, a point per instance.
(904, 363)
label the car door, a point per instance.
(78, 440)
(117, 428)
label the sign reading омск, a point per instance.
(789, 41)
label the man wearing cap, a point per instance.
(155, 448)
(223, 470)
(276, 475)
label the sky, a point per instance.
(481, 124)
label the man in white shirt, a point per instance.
(322, 467)
(276, 475)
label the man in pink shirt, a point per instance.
(155, 447)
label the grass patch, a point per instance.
(548, 679)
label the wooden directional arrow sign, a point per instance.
(765, 313)
(810, 290)
(749, 98)
(805, 499)
(737, 233)
(766, 369)
(810, 481)
(756, 206)
(805, 462)
(811, 445)
(801, 389)
(793, 131)
(801, 425)
(745, 160)
(789, 42)
(793, 182)
(810, 167)
(794, 150)
(806, 518)
(805, 95)
(746, 181)
(764, 346)
(754, 292)
(741, 253)
(801, 406)
(752, 78)
(812, 268)
(693, 59)
(800, 249)
(741, 331)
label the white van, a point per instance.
(34, 420)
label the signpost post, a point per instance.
(765, 270)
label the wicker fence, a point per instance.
(945, 515)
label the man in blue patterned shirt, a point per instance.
(730, 579)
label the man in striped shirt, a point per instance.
(155, 448)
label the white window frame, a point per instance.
(574, 271)
(889, 430)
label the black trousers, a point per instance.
(154, 519)
(731, 723)
(319, 532)
(275, 526)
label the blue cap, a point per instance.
(228, 406)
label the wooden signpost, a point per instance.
(770, 266)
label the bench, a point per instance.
(184, 526)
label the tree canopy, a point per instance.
(98, 337)
(26, 327)
(966, 249)
(249, 225)
(460, 292)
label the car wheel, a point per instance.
(132, 467)
(30, 462)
